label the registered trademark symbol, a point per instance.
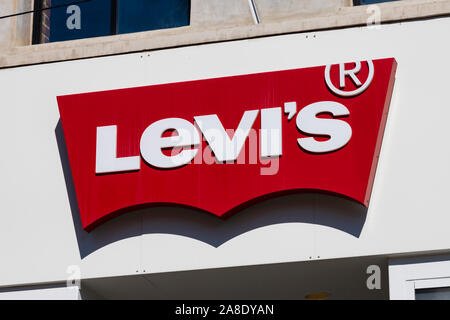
(352, 74)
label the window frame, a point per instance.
(408, 275)
(37, 22)
(359, 2)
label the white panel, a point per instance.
(432, 283)
(38, 239)
(66, 293)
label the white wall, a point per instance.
(40, 238)
(63, 293)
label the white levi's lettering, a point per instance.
(187, 139)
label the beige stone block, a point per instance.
(220, 12)
(277, 9)
(16, 30)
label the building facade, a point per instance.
(377, 229)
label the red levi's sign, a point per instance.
(218, 144)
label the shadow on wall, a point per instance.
(339, 213)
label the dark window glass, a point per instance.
(141, 15)
(83, 20)
(364, 2)
(76, 19)
(433, 294)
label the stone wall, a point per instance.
(15, 31)
(239, 12)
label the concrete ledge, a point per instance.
(192, 35)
